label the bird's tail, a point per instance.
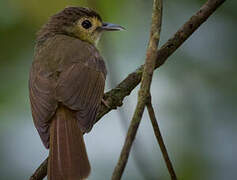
(68, 158)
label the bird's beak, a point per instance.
(112, 27)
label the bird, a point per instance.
(66, 87)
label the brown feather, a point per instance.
(62, 19)
(72, 73)
(81, 88)
(68, 158)
(43, 103)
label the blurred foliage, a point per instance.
(195, 91)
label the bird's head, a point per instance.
(79, 22)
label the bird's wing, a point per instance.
(69, 71)
(43, 103)
(81, 87)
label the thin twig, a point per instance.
(160, 140)
(115, 97)
(143, 93)
(141, 167)
(41, 172)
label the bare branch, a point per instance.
(144, 91)
(41, 172)
(160, 140)
(116, 96)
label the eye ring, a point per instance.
(86, 24)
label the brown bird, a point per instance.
(66, 85)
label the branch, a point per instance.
(144, 91)
(115, 97)
(160, 140)
(41, 172)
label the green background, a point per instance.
(194, 93)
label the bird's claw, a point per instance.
(105, 103)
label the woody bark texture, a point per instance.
(160, 140)
(144, 91)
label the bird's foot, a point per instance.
(105, 103)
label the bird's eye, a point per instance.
(86, 24)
